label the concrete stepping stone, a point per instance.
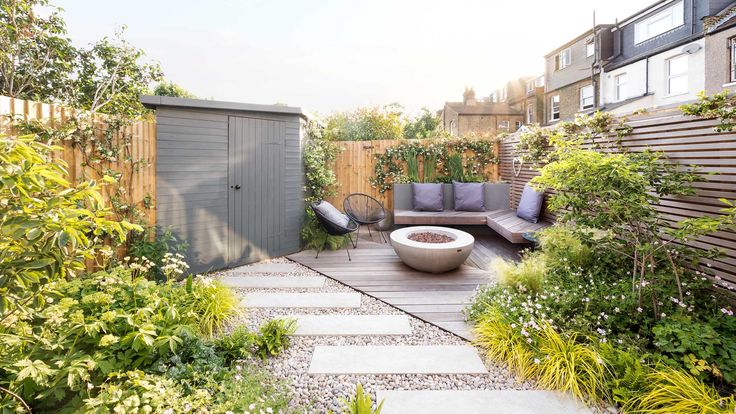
(440, 359)
(480, 402)
(301, 300)
(275, 282)
(352, 325)
(266, 268)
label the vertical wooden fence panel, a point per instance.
(355, 165)
(139, 173)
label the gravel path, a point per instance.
(323, 392)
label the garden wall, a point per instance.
(355, 164)
(687, 140)
(139, 179)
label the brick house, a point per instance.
(571, 75)
(483, 117)
(720, 51)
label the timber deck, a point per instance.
(435, 298)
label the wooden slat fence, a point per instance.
(687, 140)
(355, 165)
(139, 181)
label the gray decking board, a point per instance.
(438, 299)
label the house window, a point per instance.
(732, 52)
(587, 98)
(554, 105)
(530, 86)
(517, 124)
(662, 22)
(590, 49)
(677, 78)
(619, 82)
(503, 124)
(529, 114)
(563, 59)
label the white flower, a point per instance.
(664, 315)
(537, 361)
(169, 411)
(252, 407)
(90, 385)
(639, 309)
(727, 311)
(238, 377)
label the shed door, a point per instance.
(256, 188)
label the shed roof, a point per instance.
(153, 101)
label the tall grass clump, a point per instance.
(570, 366)
(675, 391)
(505, 345)
(563, 247)
(211, 302)
(525, 276)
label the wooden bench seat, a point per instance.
(511, 227)
(447, 217)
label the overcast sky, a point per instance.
(327, 55)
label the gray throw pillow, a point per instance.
(427, 197)
(468, 196)
(332, 214)
(530, 205)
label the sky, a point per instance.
(336, 55)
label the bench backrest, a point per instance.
(496, 196)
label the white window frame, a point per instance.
(732, 58)
(529, 113)
(503, 125)
(583, 98)
(673, 15)
(619, 87)
(670, 76)
(563, 59)
(590, 49)
(554, 115)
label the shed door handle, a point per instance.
(237, 186)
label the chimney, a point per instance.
(469, 97)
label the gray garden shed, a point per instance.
(229, 178)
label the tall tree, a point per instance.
(36, 56)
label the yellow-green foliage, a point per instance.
(213, 304)
(527, 275)
(562, 247)
(505, 345)
(674, 391)
(362, 403)
(568, 365)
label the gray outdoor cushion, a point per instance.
(332, 214)
(468, 196)
(427, 197)
(530, 205)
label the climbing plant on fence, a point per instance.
(391, 166)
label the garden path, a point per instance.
(353, 338)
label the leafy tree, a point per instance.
(426, 125)
(365, 124)
(110, 78)
(37, 58)
(172, 89)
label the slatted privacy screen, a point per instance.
(686, 140)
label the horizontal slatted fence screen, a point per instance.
(139, 181)
(355, 165)
(686, 140)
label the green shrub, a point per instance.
(562, 247)
(236, 345)
(153, 244)
(525, 276)
(626, 376)
(361, 403)
(273, 337)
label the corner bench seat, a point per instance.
(511, 227)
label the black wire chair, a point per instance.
(364, 209)
(334, 229)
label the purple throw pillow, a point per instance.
(427, 197)
(468, 196)
(530, 205)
